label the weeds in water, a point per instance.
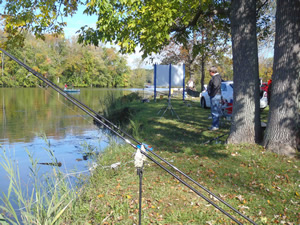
(43, 202)
(88, 151)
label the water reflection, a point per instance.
(25, 113)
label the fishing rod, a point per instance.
(216, 138)
(102, 120)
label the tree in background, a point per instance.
(195, 66)
(115, 66)
(265, 68)
(197, 27)
(225, 69)
(65, 61)
(138, 77)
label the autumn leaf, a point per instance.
(100, 196)
(240, 198)
(264, 219)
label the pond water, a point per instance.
(26, 113)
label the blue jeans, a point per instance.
(215, 106)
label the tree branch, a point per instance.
(257, 11)
(193, 22)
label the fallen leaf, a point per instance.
(264, 219)
(100, 196)
(240, 198)
(243, 207)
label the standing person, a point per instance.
(66, 86)
(191, 84)
(214, 92)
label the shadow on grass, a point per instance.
(187, 134)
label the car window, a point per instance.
(231, 85)
(223, 87)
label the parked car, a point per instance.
(204, 90)
(227, 96)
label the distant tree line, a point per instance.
(64, 61)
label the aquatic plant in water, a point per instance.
(42, 203)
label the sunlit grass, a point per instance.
(262, 185)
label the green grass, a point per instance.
(260, 184)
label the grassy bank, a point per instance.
(262, 185)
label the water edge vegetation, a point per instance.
(262, 185)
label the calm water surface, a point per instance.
(25, 113)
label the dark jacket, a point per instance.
(214, 86)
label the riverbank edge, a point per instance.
(247, 177)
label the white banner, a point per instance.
(163, 75)
(177, 75)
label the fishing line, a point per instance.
(69, 107)
(100, 119)
(216, 138)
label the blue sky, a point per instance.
(79, 20)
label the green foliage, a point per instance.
(114, 109)
(65, 61)
(265, 68)
(39, 17)
(148, 23)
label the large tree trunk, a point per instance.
(246, 127)
(283, 125)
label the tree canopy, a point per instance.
(66, 61)
(149, 24)
(39, 17)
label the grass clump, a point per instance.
(44, 199)
(262, 185)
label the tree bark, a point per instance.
(282, 133)
(246, 127)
